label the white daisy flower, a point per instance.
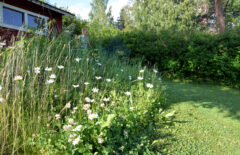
(60, 67)
(75, 108)
(57, 116)
(78, 59)
(106, 99)
(18, 78)
(52, 76)
(140, 78)
(76, 86)
(89, 112)
(68, 105)
(67, 127)
(149, 85)
(87, 99)
(71, 121)
(50, 81)
(86, 83)
(78, 128)
(102, 105)
(155, 71)
(141, 71)
(76, 141)
(108, 80)
(86, 106)
(48, 69)
(93, 116)
(95, 90)
(127, 93)
(37, 70)
(98, 77)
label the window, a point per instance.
(19, 19)
(35, 22)
(12, 17)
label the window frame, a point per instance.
(25, 27)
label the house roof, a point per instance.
(51, 7)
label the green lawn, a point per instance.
(207, 119)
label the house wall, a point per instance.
(6, 34)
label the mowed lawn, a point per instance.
(207, 119)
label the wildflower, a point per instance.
(121, 70)
(99, 64)
(76, 141)
(57, 116)
(102, 105)
(149, 85)
(130, 77)
(52, 76)
(78, 59)
(131, 108)
(141, 71)
(140, 78)
(18, 78)
(89, 112)
(116, 74)
(87, 59)
(75, 108)
(155, 71)
(76, 86)
(93, 116)
(55, 96)
(78, 128)
(71, 121)
(86, 106)
(1, 99)
(108, 80)
(127, 93)
(86, 83)
(42, 150)
(106, 99)
(100, 140)
(95, 90)
(50, 81)
(87, 99)
(48, 69)
(60, 67)
(72, 135)
(68, 105)
(37, 70)
(113, 103)
(98, 77)
(67, 127)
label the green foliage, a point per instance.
(189, 55)
(44, 96)
(74, 25)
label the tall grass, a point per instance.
(45, 84)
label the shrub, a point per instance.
(195, 55)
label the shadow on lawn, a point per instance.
(227, 100)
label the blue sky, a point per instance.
(82, 7)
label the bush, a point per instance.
(58, 99)
(194, 55)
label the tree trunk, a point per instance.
(219, 15)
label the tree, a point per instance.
(110, 19)
(98, 16)
(219, 15)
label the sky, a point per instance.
(82, 7)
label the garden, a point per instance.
(143, 87)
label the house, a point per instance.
(21, 15)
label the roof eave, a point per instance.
(50, 7)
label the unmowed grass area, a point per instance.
(59, 99)
(206, 120)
